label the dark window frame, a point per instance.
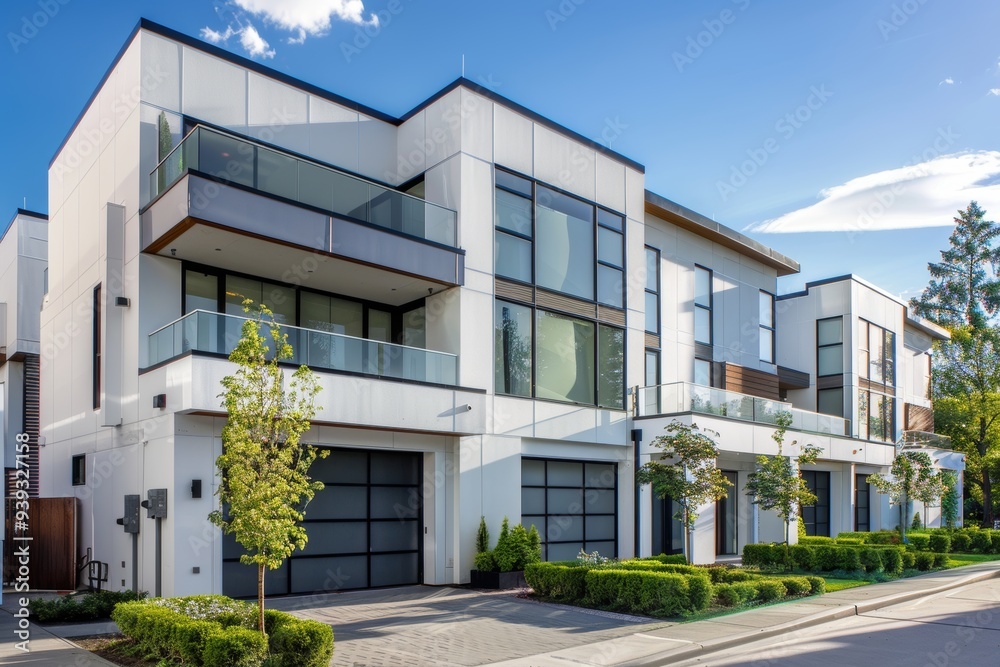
(830, 345)
(710, 307)
(812, 477)
(656, 292)
(859, 525)
(78, 470)
(772, 328)
(97, 357)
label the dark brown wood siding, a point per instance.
(52, 527)
(750, 381)
(918, 418)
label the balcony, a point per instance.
(217, 334)
(685, 397)
(225, 201)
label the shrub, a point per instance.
(940, 560)
(995, 541)
(670, 559)
(961, 542)
(920, 542)
(939, 542)
(816, 539)
(982, 541)
(728, 575)
(560, 582)
(735, 594)
(871, 559)
(482, 536)
(505, 552)
(85, 607)
(235, 647)
(188, 638)
(909, 560)
(655, 566)
(770, 556)
(301, 643)
(485, 562)
(916, 524)
(796, 585)
(803, 557)
(924, 560)
(882, 537)
(892, 560)
(817, 585)
(699, 591)
(770, 589)
(849, 559)
(663, 593)
(850, 541)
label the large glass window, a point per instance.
(279, 298)
(877, 358)
(564, 248)
(703, 372)
(572, 504)
(862, 504)
(611, 367)
(702, 305)
(830, 346)
(512, 345)
(876, 416)
(652, 290)
(817, 517)
(565, 358)
(652, 377)
(327, 313)
(766, 327)
(514, 227)
(830, 401)
(610, 258)
(201, 291)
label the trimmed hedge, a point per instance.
(165, 633)
(824, 558)
(670, 559)
(982, 541)
(663, 593)
(557, 580)
(961, 542)
(85, 607)
(939, 542)
(920, 542)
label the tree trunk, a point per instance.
(987, 486)
(260, 598)
(688, 537)
(903, 511)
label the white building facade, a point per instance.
(481, 291)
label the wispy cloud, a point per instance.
(301, 18)
(994, 91)
(950, 81)
(921, 195)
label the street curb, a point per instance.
(836, 613)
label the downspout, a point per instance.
(636, 442)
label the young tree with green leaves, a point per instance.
(911, 477)
(264, 465)
(692, 480)
(776, 484)
(949, 499)
(964, 289)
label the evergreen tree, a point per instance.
(964, 288)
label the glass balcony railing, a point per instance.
(244, 162)
(683, 397)
(217, 333)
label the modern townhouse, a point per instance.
(495, 305)
(23, 257)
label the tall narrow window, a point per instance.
(79, 469)
(652, 368)
(97, 348)
(514, 229)
(703, 372)
(766, 327)
(652, 290)
(702, 305)
(512, 345)
(830, 346)
(610, 258)
(610, 367)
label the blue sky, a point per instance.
(844, 135)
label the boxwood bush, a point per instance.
(919, 542)
(189, 630)
(82, 607)
(559, 581)
(961, 542)
(661, 593)
(982, 541)
(939, 542)
(824, 558)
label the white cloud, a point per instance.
(994, 91)
(254, 44)
(923, 195)
(949, 81)
(307, 17)
(214, 36)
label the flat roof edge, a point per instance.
(693, 221)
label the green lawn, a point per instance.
(958, 560)
(833, 584)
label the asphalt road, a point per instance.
(959, 628)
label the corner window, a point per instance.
(766, 327)
(79, 470)
(652, 290)
(702, 305)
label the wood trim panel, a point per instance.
(830, 382)
(53, 532)
(750, 381)
(702, 351)
(652, 341)
(565, 304)
(514, 291)
(918, 418)
(789, 378)
(877, 386)
(609, 315)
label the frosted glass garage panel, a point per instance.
(214, 90)
(565, 473)
(532, 501)
(563, 528)
(341, 466)
(391, 468)
(341, 537)
(532, 472)
(557, 552)
(339, 502)
(395, 536)
(565, 501)
(395, 569)
(392, 502)
(600, 475)
(316, 575)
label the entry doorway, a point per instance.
(726, 514)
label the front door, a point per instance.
(725, 519)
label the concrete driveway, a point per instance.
(420, 625)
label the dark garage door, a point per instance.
(364, 529)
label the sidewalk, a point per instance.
(683, 641)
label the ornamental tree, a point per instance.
(264, 481)
(912, 477)
(691, 480)
(776, 484)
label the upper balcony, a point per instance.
(686, 397)
(223, 200)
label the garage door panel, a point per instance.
(315, 575)
(240, 581)
(395, 535)
(339, 502)
(390, 468)
(341, 537)
(341, 466)
(394, 569)
(394, 502)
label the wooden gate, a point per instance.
(52, 527)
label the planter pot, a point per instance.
(498, 580)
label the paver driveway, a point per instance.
(419, 625)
